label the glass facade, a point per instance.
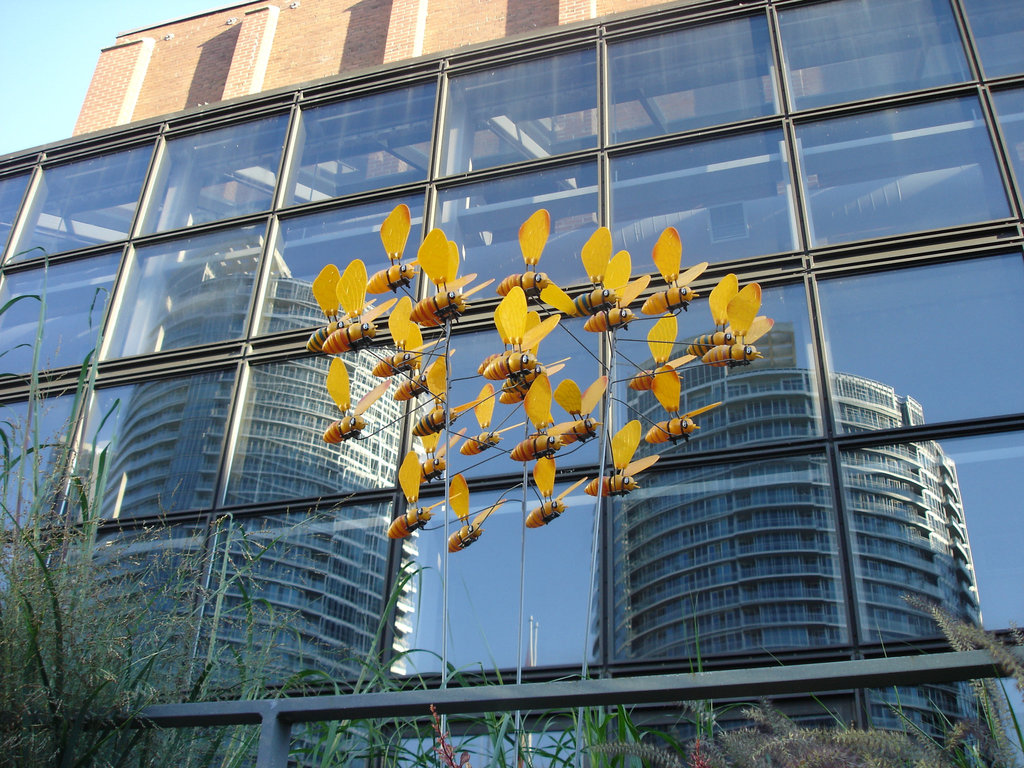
(869, 181)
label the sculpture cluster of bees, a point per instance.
(515, 374)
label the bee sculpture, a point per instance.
(350, 425)
(408, 340)
(325, 291)
(583, 427)
(668, 256)
(732, 320)
(360, 330)
(434, 464)
(440, 416)
(533, 236)
(623, 479)
(394, 233)
(488, 438)
(667, 389)
(468, 532)
(414, 517)
(544, 477)
(439, 259)
(661, 340)
(547, 439)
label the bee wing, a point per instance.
(436, 375)
(476, 288)
(680, 361)
(668, 254)
(479, 519)
(617, 273)
(593, 394)
(544, 476)
(699, 411)
(352, 288)
(409, 477)
(758, 328)
(661, 337)
(571, 488)
(458, 410)
(595, 254)
(720, 296)
(453, 259)
(506, 429)
(450, 443)
(567, 395)
(743, 308)
(558, 299)
(370, 397)
(666, 388)
(533, 337)
(394, 232)
(433, 257)
(538, 402)
(458, 497)
(430, 443)
(641, 464)
(399, 322)
(624, 444)
(370, 315)
(325, 290)
(551, 370)
(484, 409)
(634, 289)
(337, 385)
(533, 235)
(691, 274)
(510, 316)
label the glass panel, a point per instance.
(280, 451)
(770, 400)
(76, 294)
(484, 220)
(858, 49)
(319, 580)
(483, 589)
(729, 198)
(12, 189)
(998, 30)
(727, 558)
(691, 78)
(932, 711)
(186, 292)
(217, 174)
(1010, 111)
(306, 244)
(84, 203)
(361, 144)
(160, 441)
(890, 371)
(521, 112)
(899, 170)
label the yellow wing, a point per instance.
(661, 337)
(372, 314)
(629, 293)
(479, 519)
(430, 442)
(409, 477)
(404, 331)
(699, 411)
(370, 397)
(458, 497)
(624, 444)
(558, 299)
(433, 257)
(595, 254)
(743, 308)
(668, 254)
(453, 259)
(719, 298)
(510, 317)
(572, 488)
(533, 337)
(593, 393)
(533, 235)
(758, 328)
(691, 274)
(352, 288)
(325, 290)
(617, 274)
(567, 395)
(436, 375)
(538, 402)
(666, 388)
(337, 384)
(544, 476)
(394, 232)
(640, 465)
(485, 408)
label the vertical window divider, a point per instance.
(1011, 183)
(288, 161)
(239, 389)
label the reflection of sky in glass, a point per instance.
(1010, 108)
(12, 189)
(998, 30)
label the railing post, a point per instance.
(275, 738)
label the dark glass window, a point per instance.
(361, 144)
(83, 203)
(186, 292)
(691, 78)
(12, 189)
(484, 220)
(998, 30)
(920, 344)
(71, 303)
(728, 197)
(1010, 110)
(216, 175)
(857, 49)
(899, 170)
(521, 112)
(306, 244)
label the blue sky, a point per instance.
(48, 51)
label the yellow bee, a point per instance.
(351, 294)
(458, 497)
(408, 339)
(349, 425)
(746, 327)
(579, 405)
(622, 481)
(533, 235)
(544, 476)
(414, 517)
(547, 439)
(325, 291)
(439, 258)
(677, 428)
(483, 411)
(435, 420)
(509, 363)
(668, 254)
(319, 336)
(394, 233)
(704, 344)
(660, 339)
(434, 465)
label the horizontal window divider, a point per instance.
(313, 505)
(230, 113)
(166, 236)
(51, 383)
(170, 363)
(367, 82)
(19, 162)
(528, 46)
(939, 431)
(813, 447)
(693, 136)
(145, 524)
(1006, 82)
(336, 203)
(501, 172)
(631, 24)
(61, 257)
(905, 99)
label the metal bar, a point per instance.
(275, 740)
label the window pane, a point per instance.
(727, 558)
(361, 144)
(857, 49)
(770, 400)
(892, 368)
(729, 198)
(84, 203)
(1010, 110)
(691, 78)
(217, 174)
(161, 441)
(280, 451)
(909, 538)
(484, 220)
(521, 112)
(75, 295)
(12, 189)
(187, 292)
(998, 29)
(899, 170)
(306, 244)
